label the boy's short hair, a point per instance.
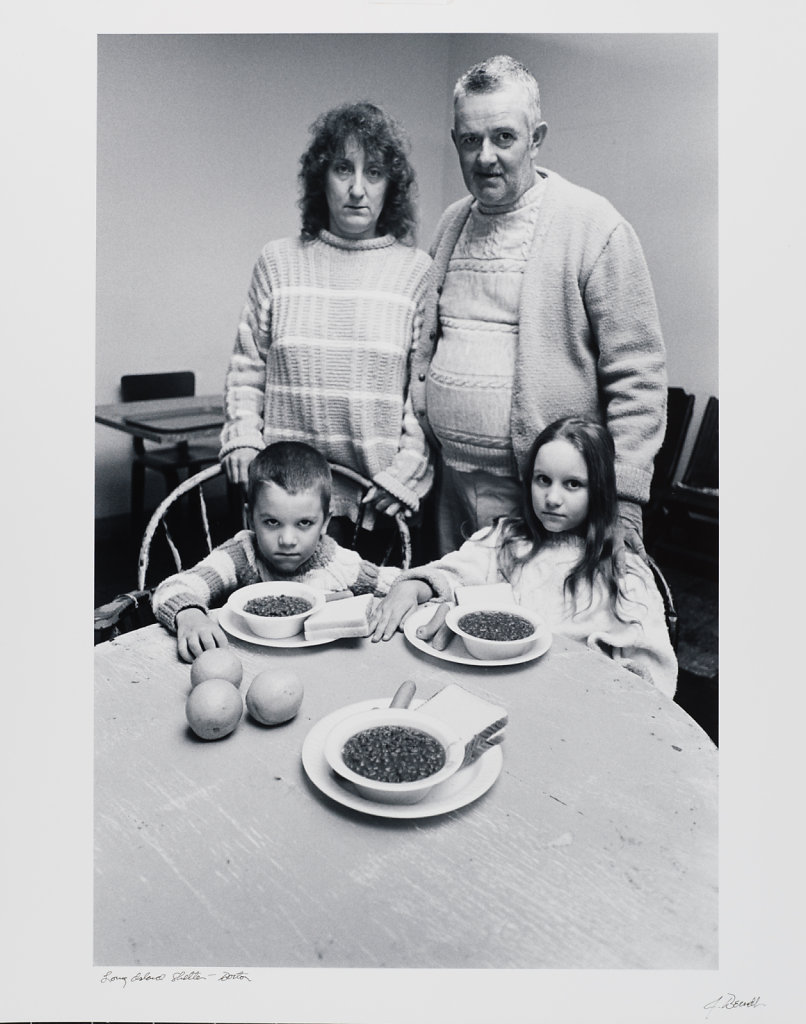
(294, 466)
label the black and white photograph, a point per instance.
(399, 513)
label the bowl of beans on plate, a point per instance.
(393, 755)
(496, 632)
(275, 610)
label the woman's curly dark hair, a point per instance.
(382, 139)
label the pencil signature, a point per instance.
(728, 1001)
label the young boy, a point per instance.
(288, 503)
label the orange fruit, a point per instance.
(274, 696)
(213, 708)
(217, 663)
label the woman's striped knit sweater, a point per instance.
(322, 356)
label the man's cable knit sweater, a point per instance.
(322, 355)
(471, 377)
(589, 339)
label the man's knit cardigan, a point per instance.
(589, 337)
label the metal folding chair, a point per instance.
(688, 515)
(169, 461)
(679, 409)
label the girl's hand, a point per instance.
(390, 613)
(197, 632)
(236, 465)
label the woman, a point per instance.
(324, 342)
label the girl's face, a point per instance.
(560, 487)
(355, 187)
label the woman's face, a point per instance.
(560, 487)
(355, 187)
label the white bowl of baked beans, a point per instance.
(275, 610)
(496, 632)
(393, 755)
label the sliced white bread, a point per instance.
(479, 722)
(344, 618)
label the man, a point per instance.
(541, 306)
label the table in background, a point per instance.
(165, 420)
(595, 848)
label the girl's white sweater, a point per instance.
(641, 643)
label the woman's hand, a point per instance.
(236, 465)
(390, 613)
(384, 501)
(197, 632)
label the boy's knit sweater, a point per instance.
(322, 356)
(237, 562)
(637, 637)
(589, 339)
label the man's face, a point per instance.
(495, 146)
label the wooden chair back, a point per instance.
(209, 530)
(669, 606)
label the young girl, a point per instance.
(559, 558)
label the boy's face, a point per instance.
(287, 527)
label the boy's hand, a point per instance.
(390, 613)
(197, 632)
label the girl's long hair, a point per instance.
(522, 538)
(383, 139)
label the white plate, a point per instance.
(456, 650)
(466, 785)
(229, 624)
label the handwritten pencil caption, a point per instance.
(109, 978)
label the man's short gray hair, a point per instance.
(495, 72)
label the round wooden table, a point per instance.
(595, 847)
